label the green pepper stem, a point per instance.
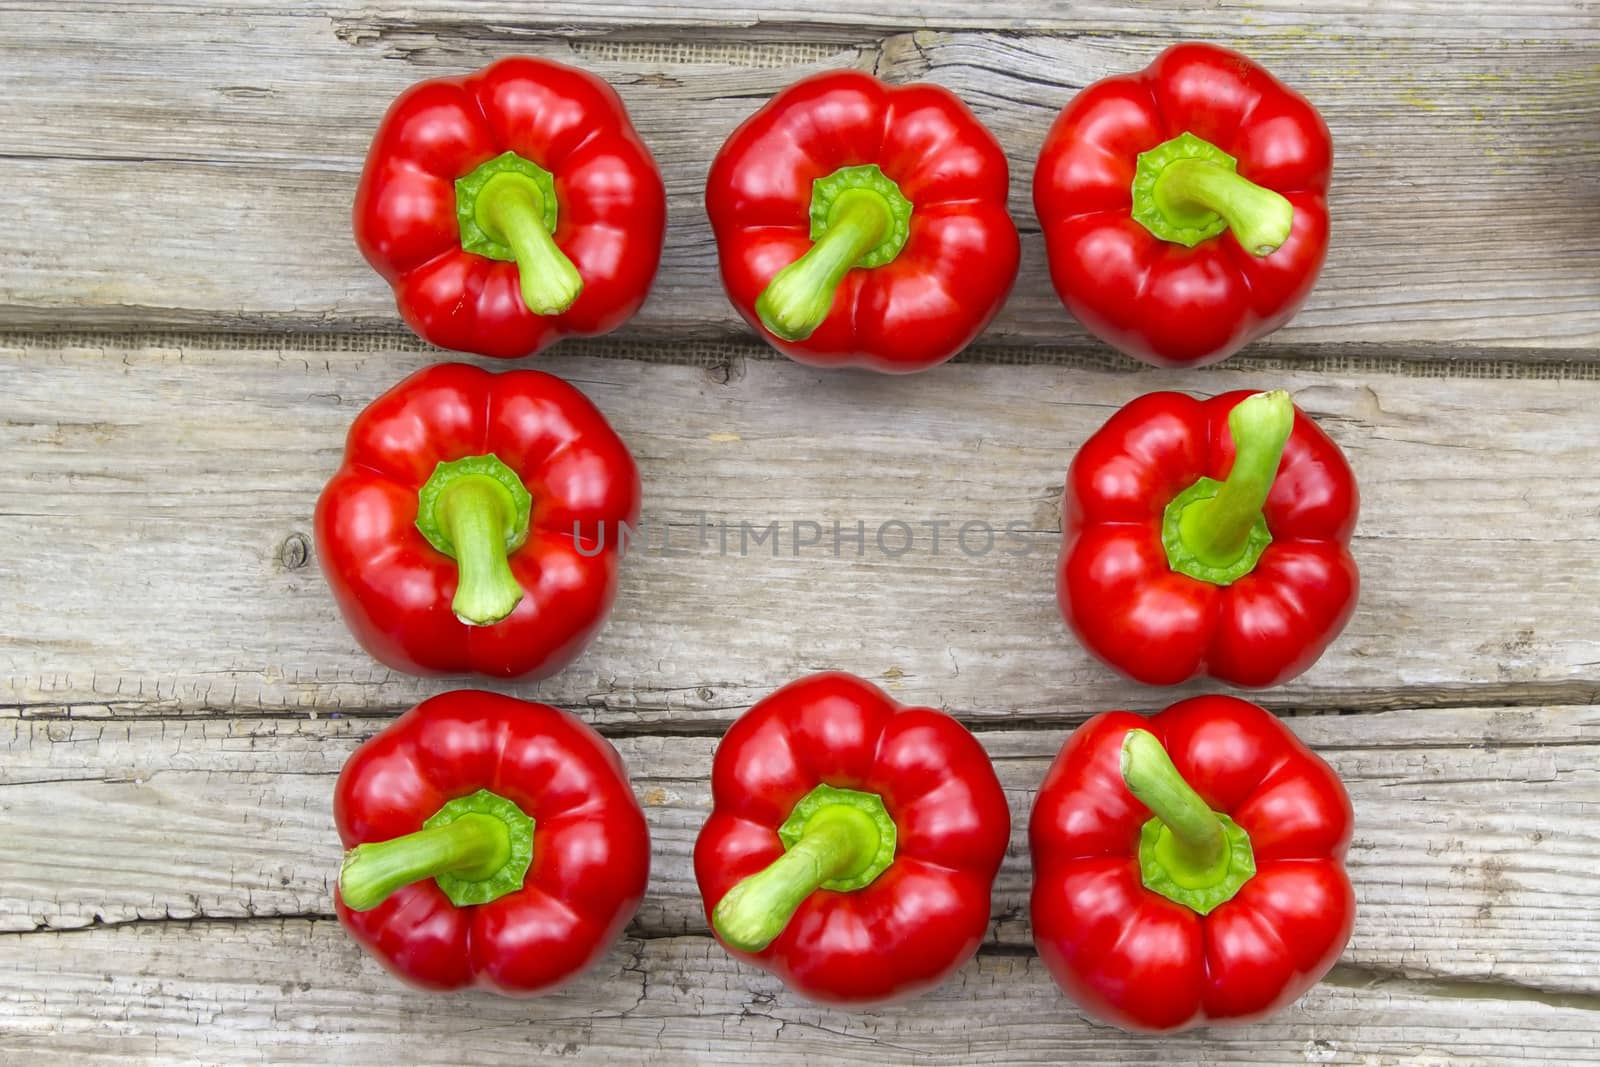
(474, 847)
(1217, 529)
(474, 512)
(1190, 192)
(1196, 833)
(799, 297)
(511, 210)
(839, 841)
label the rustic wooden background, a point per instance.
(187, 329)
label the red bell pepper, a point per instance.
(1209, 537)
(1184, 207)
(511, 208)
(852, 842)
(492, 842)
(475, 522)
(863, 225)
(1189, 868)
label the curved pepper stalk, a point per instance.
(507, 210)
(1215, 531)
(477, 848)
(838, 839)
(476, 511)
(858, 219)
(1188, 190)
(1188, 853)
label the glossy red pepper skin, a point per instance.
(1142, 961)
(1158, 301)
(960, 259)
(1121, 598)
(395, 589)
(922, 917)
(611, 199)
(591, 856)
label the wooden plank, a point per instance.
(1464, 142)
(1472, 861)
(178, 692)
(1426, 19)
(297, 991)
(166, 492)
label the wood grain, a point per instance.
(298, 991)
(165, 494)
(1405, 19)
(177, 692)
(1475, 829)
(1466, 149)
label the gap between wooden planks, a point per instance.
(227, 143)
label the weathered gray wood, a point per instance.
(1319, 19)
(1472, 860)
(225, 173)
(177, 692)
(295, 991)
(160, 496)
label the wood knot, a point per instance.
(727, 370)
(295, 552)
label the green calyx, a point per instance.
(835, 839)
(826, 802)
(1188, 190)
(831, 196)
(538, 184)
(1164, 868)
(1188, 853)
(859, 218)
(1215, 531)
(506, 209)
(477, 848)
(477, 511)
(1183, 559)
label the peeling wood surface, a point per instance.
(177, 692)
(1466, 143)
